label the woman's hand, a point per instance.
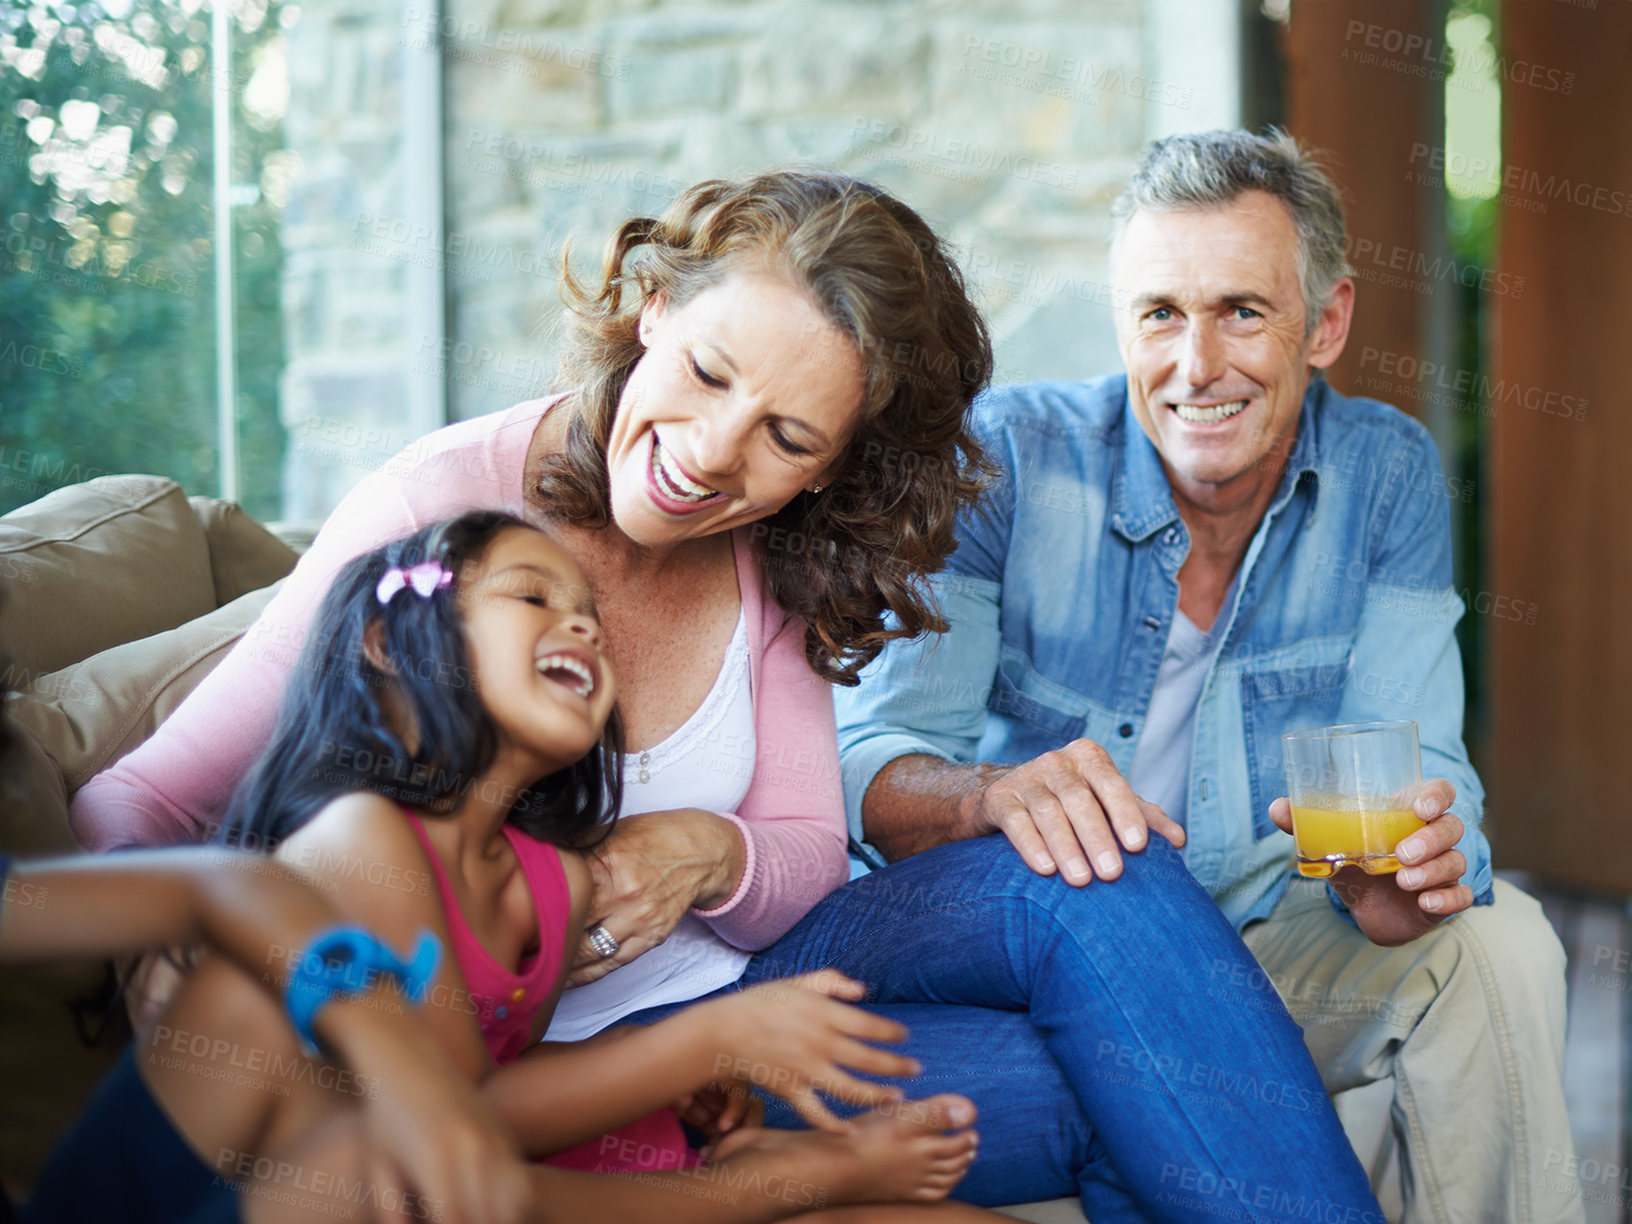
(648, 873)
(795, 1038)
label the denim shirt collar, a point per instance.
(1141, 497)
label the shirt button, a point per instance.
(645, 758)
(1172, 535)
(644, 776)
(1125, 730)
(1152, 623)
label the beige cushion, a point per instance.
(244, 556)
(89, 715)
(96, 564)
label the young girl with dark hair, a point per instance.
(447, 739)
(385, 700)
(166, 1139)
(219, 1116)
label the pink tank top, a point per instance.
(507, 1003)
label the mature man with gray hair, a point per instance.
(1179, 564)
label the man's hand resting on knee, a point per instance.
(1062, 811)
(1396, 908)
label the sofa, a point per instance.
(117, 596)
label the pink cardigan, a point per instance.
(176, 785)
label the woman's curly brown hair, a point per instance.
(860, 549)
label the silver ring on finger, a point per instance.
(602, 941)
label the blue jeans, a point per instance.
(1118, 1040)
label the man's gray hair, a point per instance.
(1211, 169)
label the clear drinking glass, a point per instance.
(1352, 788)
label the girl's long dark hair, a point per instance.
(338, 732)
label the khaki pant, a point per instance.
(1461, 1036)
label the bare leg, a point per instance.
(224, 1064)
(326, 1175)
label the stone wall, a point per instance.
(1010, 124)
(345, 375)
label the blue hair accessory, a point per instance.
(345, 960)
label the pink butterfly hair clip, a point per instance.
(422, 579)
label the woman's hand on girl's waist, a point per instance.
(648, 875)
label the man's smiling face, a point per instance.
(1210, 321)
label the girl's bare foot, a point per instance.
(912, 1152)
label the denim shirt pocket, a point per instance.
(1046, 725)
(1274, 701)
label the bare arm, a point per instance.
(919, 802)
(1062, 810)
(648, 874)
(792, 1037)
(252, 910)
(260, 914)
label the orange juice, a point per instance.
(1328, 838)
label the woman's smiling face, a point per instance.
(745, 395)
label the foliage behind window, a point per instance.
(107, 279)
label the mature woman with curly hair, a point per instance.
(760, 455)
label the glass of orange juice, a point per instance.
(1352, 787)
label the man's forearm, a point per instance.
(918, 802)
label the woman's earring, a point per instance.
(816, 488)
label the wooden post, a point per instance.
(1560, 461)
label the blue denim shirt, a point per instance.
(1065, 582)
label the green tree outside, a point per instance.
(107, 281)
